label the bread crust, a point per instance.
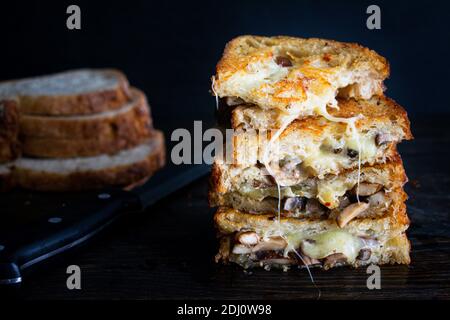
(102, 125)
(78, 104)
(120, 176)
(9, 130)
(379, 111)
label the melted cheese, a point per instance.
(330, 242)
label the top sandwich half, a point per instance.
(297, 77)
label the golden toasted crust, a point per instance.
(250, 69)
(102, 126)
(9, 129)
(121, 176)
(78, 104)
(240, 50)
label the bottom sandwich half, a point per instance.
(263, 240)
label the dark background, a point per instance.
(170, 48)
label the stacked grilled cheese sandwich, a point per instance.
(315, 178)
(76, 130)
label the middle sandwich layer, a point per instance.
(251, 189)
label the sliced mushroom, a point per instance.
(274, 243)
(293, 203)
(233, 101)
(333, 260)
(344, 202)
(313, 206)
(279, 261)
(350, 212)
(241, 249)
(378, 199)
(307, 261)
(283, 61)
(383, 138)
(288, 172)
(352, 153)
(369, 242)
(366, 189)
(364, 254)
(248, 238)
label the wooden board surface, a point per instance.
(167, 252)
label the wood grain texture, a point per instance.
(167, 252)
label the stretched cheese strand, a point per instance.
(309, 272)
(214, 91)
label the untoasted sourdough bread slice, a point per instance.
(252, 189)
(314, 146)
(73, 148)
(86, 136)
(104, 125)
(122, 169)
(260, 239)
(83, 91)
(297, 76)
(9, 130)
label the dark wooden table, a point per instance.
(167, 252)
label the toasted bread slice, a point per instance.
(314, 146)
(9, 130)
(297, 76)
(379, 110)
(104, 125)
(260, 240)
(73, 92)
(252, 189)
(121, 169)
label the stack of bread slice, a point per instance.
(77, 130)
(314, 177)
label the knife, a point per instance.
(37, 226)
